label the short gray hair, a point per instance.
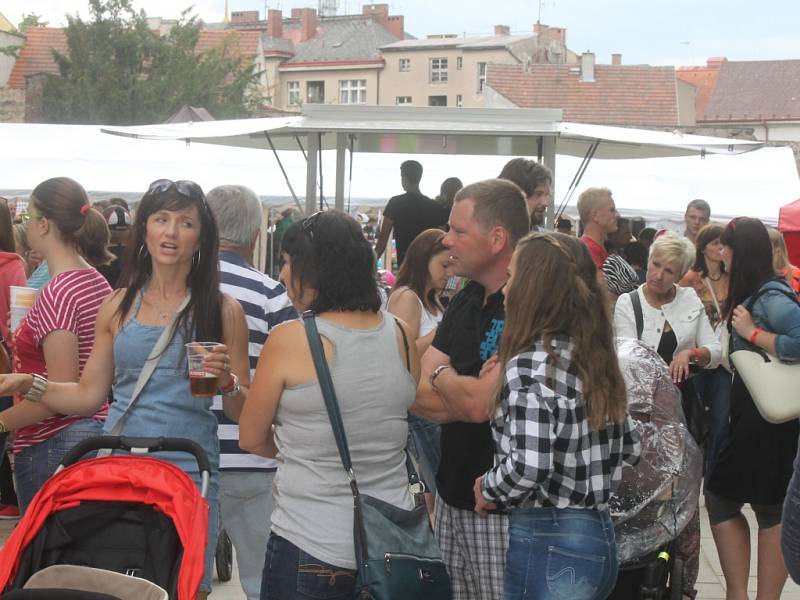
(238, 213)
(675, 250)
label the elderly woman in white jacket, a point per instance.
(674, 324)
(674, 321)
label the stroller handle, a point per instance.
(137, 445)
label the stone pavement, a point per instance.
(710, 584)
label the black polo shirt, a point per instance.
(469, 334)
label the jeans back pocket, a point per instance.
(321, 581)
(574, 575)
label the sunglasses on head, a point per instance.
(28, 215)
(184, 187)
(309, 223)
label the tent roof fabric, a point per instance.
(754, 91)
(638, 95)
(789, 217)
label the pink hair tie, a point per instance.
(85, 209)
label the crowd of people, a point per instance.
(507, 390)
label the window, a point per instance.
(459, 100)
(481, 75)
(405, 64)
(438, 70)
(459, 62)
(353, 91)
(402, 100)
(293, 88)
(315, 92)
(437, 100)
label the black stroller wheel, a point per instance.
(676, 580)
(224, 557)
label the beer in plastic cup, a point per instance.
(201, 383)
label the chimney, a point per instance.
(539, 28)
(375, 10)
(396, 26)
(616, 59)
(244, 17)
(274, 23)
(587, 67)
(308, 23)
(715, 62)
(502, 30)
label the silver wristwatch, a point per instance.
(37, 389)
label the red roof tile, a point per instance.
(704, 79)
(36, 55)
(620, 95)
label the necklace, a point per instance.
(162, 314)
(717, 278)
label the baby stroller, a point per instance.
(127, 518)
(657, 498)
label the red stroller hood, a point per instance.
(121, 479)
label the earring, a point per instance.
(143, 249)
(196, 262)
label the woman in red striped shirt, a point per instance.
(57, 335)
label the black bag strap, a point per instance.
(405, 343)
(637, 313)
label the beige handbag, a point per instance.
(773, 385)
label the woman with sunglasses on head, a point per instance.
(171, 276)
(755, 463)
(561, 429)
(329, 268)
(56, 336)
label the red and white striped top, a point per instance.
(70, 302)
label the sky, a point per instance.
(657, 32)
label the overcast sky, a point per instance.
(678, 32)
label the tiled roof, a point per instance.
(36, 55)
(473, 42)
(755, 91)
(343, 40)
(704, 79)
(620, 95)
(273, 45)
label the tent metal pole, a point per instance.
(576, 180)
(312, 143)
(547, 157)
(341, 149)
(285, 176)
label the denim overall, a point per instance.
(166, 407)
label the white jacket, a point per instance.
(685, 314)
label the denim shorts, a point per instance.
(35, 464)
(560, 554)
(292, 574)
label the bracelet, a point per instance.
(232, 388)
(37, 389)
(695, 352)
(755, 335)
(436, 373)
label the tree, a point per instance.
(28, 20)
(117, 71)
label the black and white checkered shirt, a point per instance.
(546, 455)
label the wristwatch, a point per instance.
(436, 373)
(36, 391)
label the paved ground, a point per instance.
(710, 585)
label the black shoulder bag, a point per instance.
(396, 554)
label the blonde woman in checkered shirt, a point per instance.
(560, 430)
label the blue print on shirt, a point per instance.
(492, 338)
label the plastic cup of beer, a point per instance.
(201, 383)
(22, 298)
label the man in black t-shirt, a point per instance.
(409, 214)
(119, 225)
(487, 220)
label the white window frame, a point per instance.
(352, 91)
(459, 100)
(309, 87)
(402, 100)
(404, 65)
(459, 63)
(481, 76)
(438, 70)
(293, 97)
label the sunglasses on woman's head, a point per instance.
(28, 215)
(309, 223)
(184, 187)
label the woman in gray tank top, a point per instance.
(329, 268)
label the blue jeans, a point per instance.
(424, 442)
(291, 574)
(560, 554)
(714, 388)
(245, 500)
(35, 464)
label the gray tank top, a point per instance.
(313, 503)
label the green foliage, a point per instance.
(119, 72)
(30, 20)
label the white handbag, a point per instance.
(773, 385)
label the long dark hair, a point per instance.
(64, 203)
(573, 305)
(202, 317)
(330, 254)
(751, 266)
(414, 272)
(7, 239)
(705, 236)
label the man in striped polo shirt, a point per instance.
(246, 479)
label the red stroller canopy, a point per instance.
(120, 479)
